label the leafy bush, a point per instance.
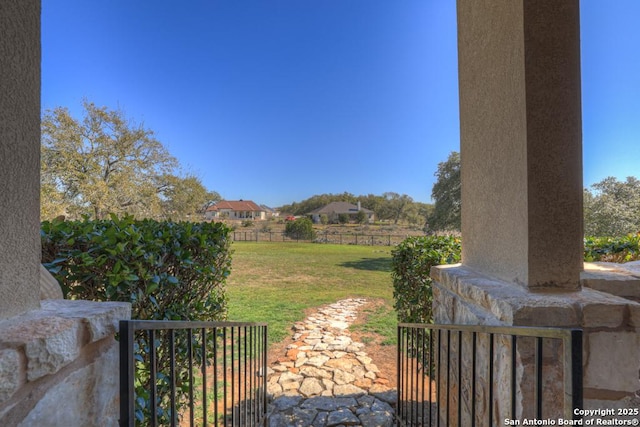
(324, 219)
(411, 263)
(247, 223)
(167, 270)
(343, 218)
(301, 228)
(610, 249)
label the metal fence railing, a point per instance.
(321, 237)
(182, 373)
(453, 375)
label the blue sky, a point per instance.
(279, 100)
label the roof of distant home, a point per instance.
(339, 208)
(236, 205)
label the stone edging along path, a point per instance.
(326, 379)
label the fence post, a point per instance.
(127, 374)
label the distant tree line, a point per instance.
(106, 164)
(393, 207)
(611, 207)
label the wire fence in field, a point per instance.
(321, 237)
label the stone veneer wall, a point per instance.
(59, 365)
(611, 327)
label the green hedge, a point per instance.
(414, 257)
(411, 262)
(612, 249)
(167, 270)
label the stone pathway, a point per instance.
(325, 379)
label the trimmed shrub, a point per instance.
(612, 249)
(167, 270)
(413, 258)
(300, 229)
(411, 263)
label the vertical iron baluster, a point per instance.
(399, 369)
(424, 374)
(215, 377)
(473, 378)
(412, 398)
(459, 378)
(538, 382)
(514, 374)
(401, 333)
(438, 385)
(204, 377)
(246, 377)
(224, 376)
(264, 366)
(251, 374)
(127, 374)
(431, 372)
(490, 382)
(172, 376)
(153, 378)
(190, 352)
(448, 372)
(233, 376)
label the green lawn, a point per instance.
(276, 282)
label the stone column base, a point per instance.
(611, 325)
(59, 365)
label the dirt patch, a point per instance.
(383, 356)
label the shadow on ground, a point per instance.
(372, 264)
(320, 411)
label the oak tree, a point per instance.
(106, 163)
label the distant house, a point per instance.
(271, 213)
(334, 209)
(240, 209)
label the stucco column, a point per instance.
(520, 121)
(19, 156)
(521, 139)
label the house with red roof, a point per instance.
(235, 209)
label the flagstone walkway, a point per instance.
(326, 379)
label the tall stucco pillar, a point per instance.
(58, 359)
(522, 228)
(19, 156)
(521, 139)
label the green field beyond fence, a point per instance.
(276, 282)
